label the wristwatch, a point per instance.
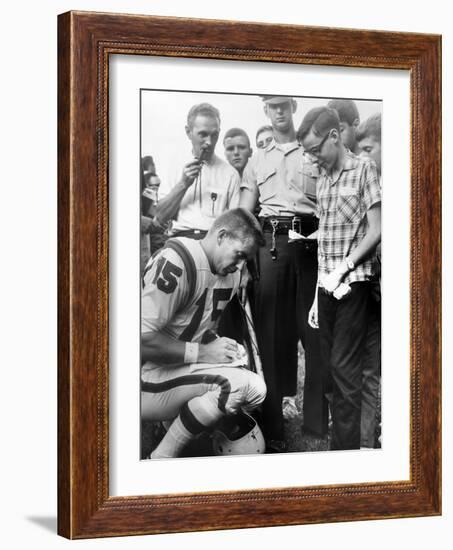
(350, 264)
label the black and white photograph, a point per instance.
(260, 229)
(106, 90)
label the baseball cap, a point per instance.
(275, 99)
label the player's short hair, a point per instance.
(241, 224)
(234, 132)
(319, 119)
(265, 128)
(371, 127)
(346, 109)
(205, 109)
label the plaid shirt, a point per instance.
(342, 208)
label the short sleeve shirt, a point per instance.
(215, 190)
(342, 210)
(285, 180)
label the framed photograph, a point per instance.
(198, 385)
(296, 421)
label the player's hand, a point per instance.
(190, 172)
(313, 315)
(220, 350)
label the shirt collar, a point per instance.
(350, 163)
(213, 159)
(274, 145)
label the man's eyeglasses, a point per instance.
(263, 143)
(314, 151)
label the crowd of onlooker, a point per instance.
(316, 192)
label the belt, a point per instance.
(304, 224)
(276, 225)
(190, 233)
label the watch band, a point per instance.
(350, 264)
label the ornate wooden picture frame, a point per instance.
(85, 507)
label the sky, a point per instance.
(164, 115)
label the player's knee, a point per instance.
(257, 390)
(248, 391)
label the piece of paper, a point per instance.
(294, 236)
(241, 361)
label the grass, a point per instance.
(296, 439)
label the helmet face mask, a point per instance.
(238, 435)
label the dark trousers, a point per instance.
(283, 297)
(343, 326)
(371, 372)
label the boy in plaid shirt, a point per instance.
(349, 210)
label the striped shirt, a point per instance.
(342, 207)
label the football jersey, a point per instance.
(184, 299)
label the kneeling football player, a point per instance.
(190, 376)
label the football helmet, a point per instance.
(238, 434)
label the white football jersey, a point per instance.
(182, 297)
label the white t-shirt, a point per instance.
(212, 193)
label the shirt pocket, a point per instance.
(267, 185)
(348, 206)
(213, 203)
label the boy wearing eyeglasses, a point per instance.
(349, 209)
